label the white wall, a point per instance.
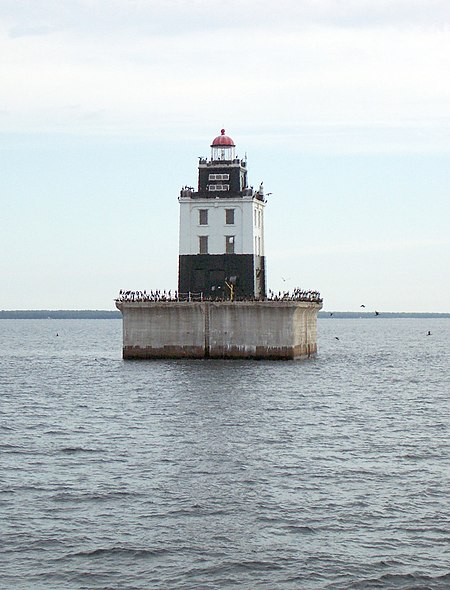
(244, 229)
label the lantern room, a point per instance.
(222, 148)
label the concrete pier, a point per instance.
(225, 329)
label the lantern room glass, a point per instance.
(222, 152)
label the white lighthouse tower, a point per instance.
(222, 229)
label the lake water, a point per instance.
(327, 473)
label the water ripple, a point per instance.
(328, 474)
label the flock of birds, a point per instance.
(296, 295)
(376, 313)
(160, 296)
(156, 295)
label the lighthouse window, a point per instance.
(229, 216)
(203, 216)
(219, 187)
(219, 177)
(203, 244)
(229, 244)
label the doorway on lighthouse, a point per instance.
(199, 280)
(217, 283)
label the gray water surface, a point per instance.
(326, 473)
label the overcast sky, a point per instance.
(342, 107)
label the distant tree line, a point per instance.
(95, 314)
(60, 314)
(388, 314)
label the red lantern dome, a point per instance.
(222, 140)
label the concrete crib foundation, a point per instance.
(240, 329)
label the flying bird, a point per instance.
(377, 313)
(429, 333)
(362, 305)
(336, 338)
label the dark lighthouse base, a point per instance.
(208, 274)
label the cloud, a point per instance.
(330, 75)
(173, 17)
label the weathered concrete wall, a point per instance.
(163, 330)
(249, 329)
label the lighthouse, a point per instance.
(221, 243)
(221, 308)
